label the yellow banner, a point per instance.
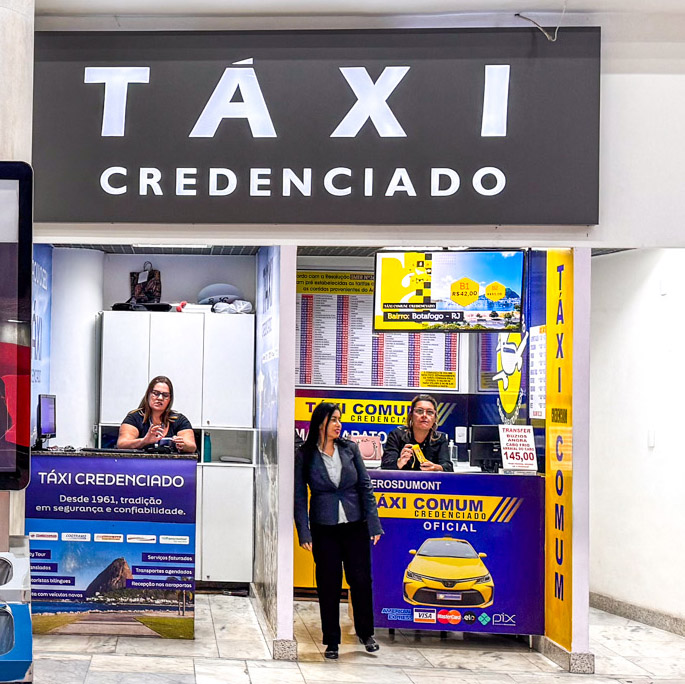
(374, 411)
(442, 379)
(428, 506)
(357, 410)
(559, 458)
(334, 283)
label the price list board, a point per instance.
(337, 347)
(538, 365)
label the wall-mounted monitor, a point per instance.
(16, 181)
(449, 291)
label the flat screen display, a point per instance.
(47, 426)
(448, 291)
(15, 324)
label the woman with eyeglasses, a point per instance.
(421, 429)
(339, 526)
(154, 420)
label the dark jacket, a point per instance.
(355, 491)
(434, 450)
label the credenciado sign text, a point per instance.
(460, 126)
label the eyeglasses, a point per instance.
(420, 411)
(160, 395)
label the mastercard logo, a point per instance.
(449, 617)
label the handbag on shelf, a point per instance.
(146, 285)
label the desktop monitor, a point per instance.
(485, 448)
(47, 426)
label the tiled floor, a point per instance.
(230, 649)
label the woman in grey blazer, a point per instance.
(342, 517)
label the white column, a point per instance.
(580, 639)
(77, 286)
(16, 111)
(286, 448)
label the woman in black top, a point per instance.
(342, 517)
(421, 429)
(154, 419)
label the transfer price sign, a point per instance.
(518, 447)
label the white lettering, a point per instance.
(257, 181)
(454, 182)
(149, 178)
(107, 174)
(185, 180)
(231, 182)
(220, 106)
(500, 181)
(304, 185)
(400, 182)
(116, 80)
(328, 181)
(371, 102)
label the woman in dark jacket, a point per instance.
(421, 429)
(342, 517)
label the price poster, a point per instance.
(518, 447)
(336, 344)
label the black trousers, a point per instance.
(335, 546)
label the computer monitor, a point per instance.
(47, 418)
(485, 448)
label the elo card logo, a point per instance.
(424, 615)
(484, 619)
(469, 618)
(452, 617)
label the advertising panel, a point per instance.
(395, 127)
(459, 553)
(112, 541)
(460, 291)
(15, 331)
(559, 460)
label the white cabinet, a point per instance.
(125, 363)
(228, 379)
(176, 351)
(208, 357)
(225, 528)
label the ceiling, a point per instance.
(243, 8)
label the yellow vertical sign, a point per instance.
(559, 459)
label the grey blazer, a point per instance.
(355, 491)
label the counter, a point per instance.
(460, 552)
(112, 539)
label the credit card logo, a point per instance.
(424, 615)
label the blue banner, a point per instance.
(114, 535)
(111, 489)
(460, 552)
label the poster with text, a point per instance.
(336, 344)
(112, 545)
(448, 291)
(459, 553)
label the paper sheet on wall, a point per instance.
(336, 345)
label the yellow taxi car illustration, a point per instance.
(448, 572)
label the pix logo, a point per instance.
(504, 619)
(484, 619)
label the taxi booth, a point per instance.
(316, 151)
(493, 344)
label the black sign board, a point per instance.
(467, 126)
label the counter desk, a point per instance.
(460, 552)
(112, 538)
